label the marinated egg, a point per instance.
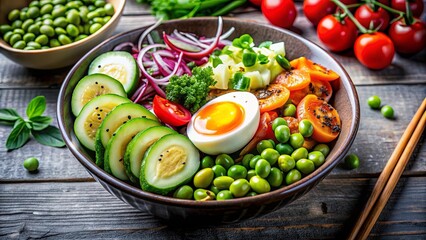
(225, 124)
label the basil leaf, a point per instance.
(49, 136)
(40, 122)
(36, 106)
(9, 115)
(19, 135)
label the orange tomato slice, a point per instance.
(294, 79)
(272, 97)
(321, 89)
(324, 118)
(316, 71)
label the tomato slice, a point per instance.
(294, 79)
(293, 124)
(169, 112)
(316, 71)
(321, 89)
(272, 97)
(324, 118)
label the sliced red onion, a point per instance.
(162, 66)
(189, 38)
(147, 31)
(223, 37)
(124, 45)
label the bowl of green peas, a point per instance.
(51, 34)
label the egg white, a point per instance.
(236, 138)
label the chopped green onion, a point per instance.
(249, 59)
(263, 59)
(283, 62)
(244, 42)
(240, 82)
(265, 44)
(215, 61)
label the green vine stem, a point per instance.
(345, 9)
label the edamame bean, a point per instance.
(29, 48)
(282, 133)
(94, 28)
(5, 28)
(293, 176)
(219, 171)
(46, 9)
(246, 160)
(306, 128)
(262, 168)
(13, 15)
(47, 30)
(72, 30)
(42, 39)
(284, 148)
(31, 164)
(26, 24)
(300, 153)
(289, 110)
(92, 15)
(184, 192)
(33, 44)
(278, 122)
(316, 157)
(259, 185)
(64, 39)
(204, 195)
(251, 194)
(203, 178)
(60, 22)
(99, 20)
(17, 24)
(59, 31)
(214, 189)
(54, 43)
(48, 22)
(106, 19)
(286, 163)
(224, 160)
(239, 188)
(19, 31)
(99, 3)
(109, 9)
(34, 4)
(7, 36)
(264, 144)
(253, 161)
(79, 37)
(35, 29)
(323, 148)
(73, 17)
(19, 44)
(305, 166)
(23, 15)
(296, 140)
(33, 12)
(250, 173)
(224, 195)
(58, 11)
(223, 182)
(15, 38)
(237, 172)
(101, 12)
(271, 155)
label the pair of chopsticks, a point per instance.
(390, 175)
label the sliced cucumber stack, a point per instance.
(116, 147)
(91, 116)
(119, 65)
(137, 148)
(169, 163)
(92, 86)
(117, 117)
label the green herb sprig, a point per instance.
(36, 125)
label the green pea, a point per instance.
(17, 24)
(47, 30)
(214, 189)
(6, 36)
(33, 44)
(306, 128)
(23, 15)
(305, 166)
(64, 39)
(99, 3)
(72, 30)
(92, 15)
(15, 38)
(60, 22)
(99, 20)
(35, 29)
(109, 9)
(254, 160)
(29, 48)
(323, 148)
(286, 163)
(296, 140)
(300, 153)
(246, 160)
(351, 161)
(184, 192)
(251, 194)
(239, 188)
(264, 144)
(224, 195)
(293, 176)
(224, 160)
(94, 28)
(207, 162)
(74, 18)
(19, 31)
(46, 9)
(282, 133)
(276, 177)
(278, 122)
(26, 24)
(13, 15)
(259, 185)
(19, 44)
(33, 12)
(289, 110)
(317, 158)
(271, 155)
(387, 111)
(237, 172)
(42, 40)
(374, 102)
(251, 173)
(34, 4)
(284, 148)
(58, 11)
(204, 195)
(31, 164)
(5, 28)
(46, 16)
(262, 168)
(223, 182)
(203, 178)
(59, 31)
(219, 171)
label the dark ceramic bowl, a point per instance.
(345, 100)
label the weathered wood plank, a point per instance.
(374, 130)
(86, 210)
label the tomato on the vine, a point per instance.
(337, 35)
(374, 50)
(281, 13)
(315, 10)
(416, 6)
(408, 39)
(379, 18)
(256, 2)
(171, 113)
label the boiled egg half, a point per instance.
(225, 124)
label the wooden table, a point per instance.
(62, 201)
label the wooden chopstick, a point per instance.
(387, 171)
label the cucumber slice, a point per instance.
(117, 117)
(92, 86)
(114, 152)
(93, 113)
(119, 65)
(138, 146)
(169, 163)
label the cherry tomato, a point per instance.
(408, 39)
(294, 79)
(374, 50)
(337, 36)
(170, 113)
(324, 118)
(272, 97)
(315, 10)
(281, 13)
(380, 18)
(256, 2)
(321, 89)
(416, 6)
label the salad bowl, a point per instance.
(345, 100)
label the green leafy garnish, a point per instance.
(36, 125)
(244, 42)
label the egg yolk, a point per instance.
(219, 118)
